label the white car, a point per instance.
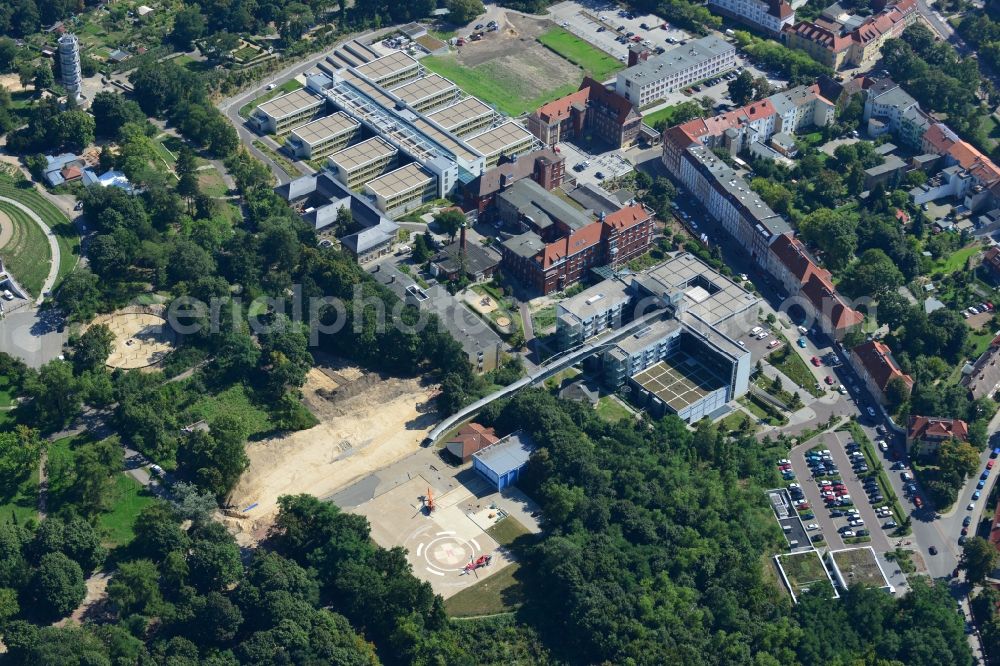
(824, 482)
(847, 533)
(857, 522)
(755, 330)
(762, 335)
(812, 527)
(784, 461)
(882, 445)
(972, 505)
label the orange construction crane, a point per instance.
(429, 501)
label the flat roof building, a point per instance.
(403, 189)
(323, 136)
(390, 70)
(502, 463)
(591, 312)
(509, 139)
(427, 93)
(650, 80)
(279, 115)
(465, 117)
(356, 165)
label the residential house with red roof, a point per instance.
(924, 434)
(877, 368)
(594, 110)
(470, 438)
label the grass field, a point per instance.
(791, 364)
(493, 83)
(233, 401)
(507, 531)
(283, 162)
(20, 503)
(286, 87)
(499, 593)
(165, 154)
(128, 499)
(663, 116)
(27, 254)
(805, 570)
(957, 260)
(65, 232)
(595, 63)
(611, 410)
(211, 183)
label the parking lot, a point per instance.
(586, 22)
(600, 167)
(835, 473)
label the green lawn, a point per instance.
(286, 87)
(211, 183)
(128, 499)
(499, 593)
(20, 503)
(957, 260)
(544, 318)
(26, 254)
(507, 531)
(791, 364)
(283, 162)
(595, 63)
(233, 401)
(165, 153)
(609, 409)
(65, 232)
(494, 84)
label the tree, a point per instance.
(55, 398)
(215, 562)
(75, 129)
(135, 588)
(57, 586)
(979, 559)
(832, 232)
(892, 309)
(450, 221)
(873, 275)
(461, 12)
(20, 452)
(957, 458)
(112, 111)
(215, 459)
(82, 543)
(741, 89)
(94, 469)
(79, 295)
(43, 78)
(896, 392)
(91, 350)
(189, 25)
(8, 54)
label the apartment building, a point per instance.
(281, 114)
(356, 165)
(594, 310)
(728, 198)
(546, 167)
(877, 368)
(838, 39)
(769, 16)
(650, 80)
(801, 108)
(592, 109)
(322, 136)
(402, 190)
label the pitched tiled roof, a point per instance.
(879, 364)
(627, 217)
(576, 242)
(590, 89)
(929, 427)
(991, 259)
(469, 439)
(792, 254)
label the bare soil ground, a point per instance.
(97, 587)
(12, 82)
(6, 229)
(511, 54)
(367, 421)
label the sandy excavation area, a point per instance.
(366, 422)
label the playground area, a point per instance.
(440, 543)
(481, 303)
(142, 339)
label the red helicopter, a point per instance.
(482, 561)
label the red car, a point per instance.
(965, 530)
(918, 502)
(828, 380)
(815, 361)
(804, 506)
(989, 464)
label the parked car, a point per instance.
(815, 361)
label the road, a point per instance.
(937, 24)
(231, 105)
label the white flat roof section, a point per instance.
(386, 66)
(423, 88)
(360, 154)
(290, 103)
(468, 109)
(500, 138)
(329, 126)
(401, 180)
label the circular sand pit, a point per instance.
(503, 322)
(142, 339)
(6, 229)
